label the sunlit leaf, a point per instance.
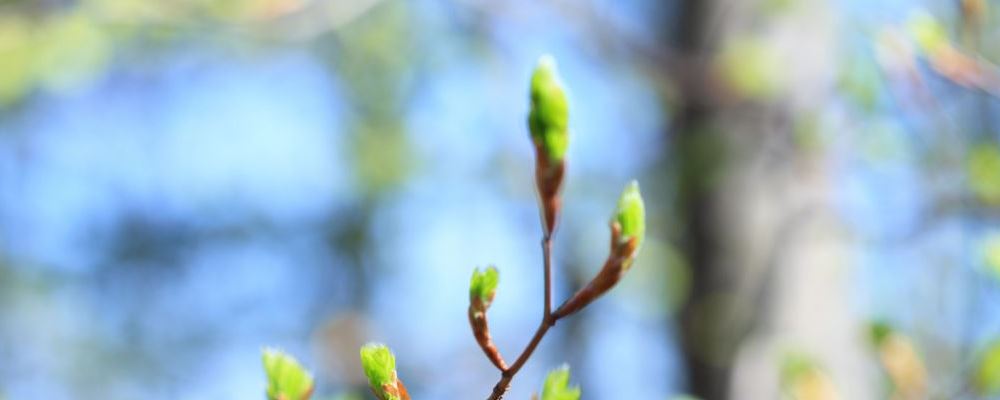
(484, 285)
(286, 378)
(557, 387)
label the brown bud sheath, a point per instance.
(399, 390)
(481, 330)
(403, 394)
(549, 177)
(618, 262)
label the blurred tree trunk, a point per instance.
(706, 379)
(756, 224)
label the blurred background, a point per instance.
(185, 182)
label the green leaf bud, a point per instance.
(631, 214)
(548, 119)
(286, 378)
(380, 368)
(484, 285)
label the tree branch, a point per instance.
(548, 320)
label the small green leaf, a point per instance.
(631, 214)
(484, 285)
(557, 386)
(548, 119)
(987, 378)
(286, 379)
(380, 368)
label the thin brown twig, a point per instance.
(547, 256)
(548, 320)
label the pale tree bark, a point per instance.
(770, 272)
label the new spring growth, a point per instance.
(286, 379)
(628, 228)
(482, 289)
(631, 219)
(549, 116)
(548, 122)
(380, 368)
(557, 386)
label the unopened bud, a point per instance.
(630, 216)
(483, 287)
(549, 116)
(380, 368)
(286, 378)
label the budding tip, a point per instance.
(630, 215)
(547, 71)
(483, 284)
(632, 187)
(547, 61)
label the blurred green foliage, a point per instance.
(991, 254)
(983, 168)
(557, 387)
(860, 81)
(59, 47)
(929, 34)
(987, 372)
(878, 331)
(373, 62)
(803, 379)
(58, 52)
(750, 67)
